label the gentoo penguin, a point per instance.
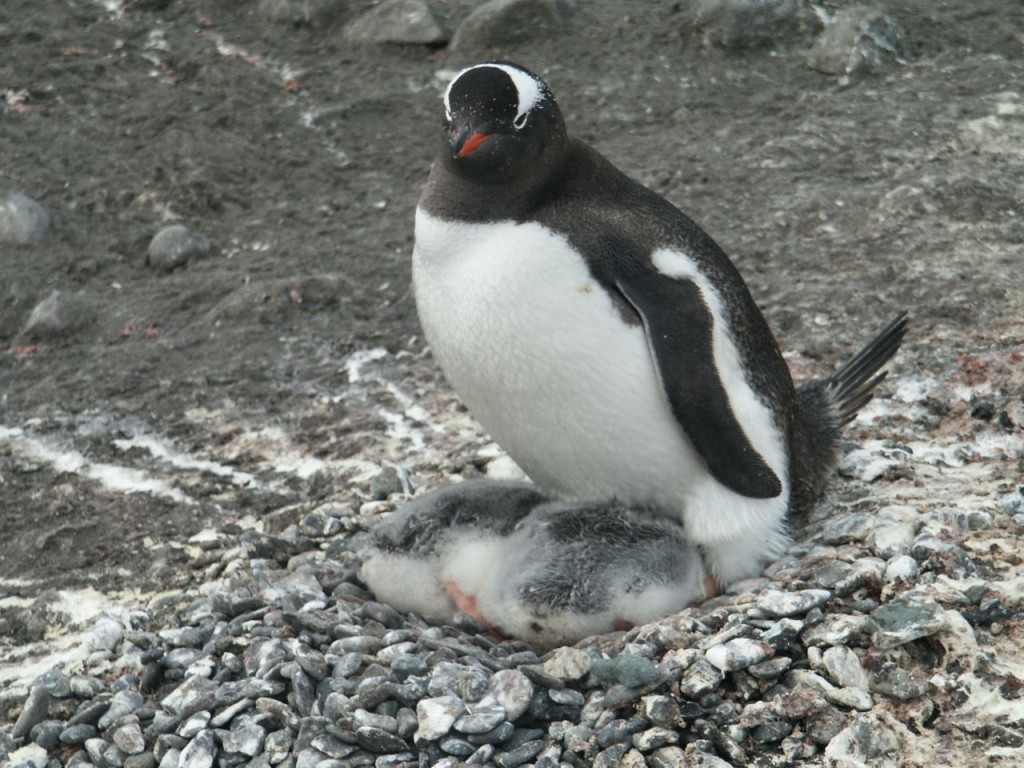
(547, 572)
(605, 341)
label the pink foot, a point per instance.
(467, 604)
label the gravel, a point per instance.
(293, 663)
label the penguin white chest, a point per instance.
(545, 360)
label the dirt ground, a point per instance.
(286, 368)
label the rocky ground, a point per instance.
(196, 431)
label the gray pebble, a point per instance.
(865, 741)
(436, 716)
(457, 747)
(245, 737)
(660, 710)
(193, 695)
(701, 678)
(672, 757)
(848, 528)
(481, 717)
(96, 748)
(143, 760)
(859, 40)
(78, 734)
(836, 629)
(405, 22)
(379, 741)
(844, 667)
(314, 14)
(520, 754)
(46, 734)
(23, 221)
(201, 751)
(900, 567)
(739, 653)
(568, 664)
(174, 246)
(33, 711)
(778, 605)
(655, 738)
(60, 314)
(906, 618)
(504, 22)
(893, 539)
(851, 698)
(277, 745)
(128, 738)
(512, 690)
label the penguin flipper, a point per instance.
(679, 325)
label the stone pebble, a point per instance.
(23, 221)
(174, 246)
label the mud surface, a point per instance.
(286, 368)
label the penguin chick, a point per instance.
(545, 572)
(606, 341)
(574, 570)
(411, 552)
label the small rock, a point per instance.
(848, 528)
(655, 738)
(906, 618)
(78, 734)
(59, 314)
(193, 695)
(201, 751)
(778, 604)
(738, 653)
(660, 710)
(568, 663)
(863, 742)
(33, 711)
(404, 22)
(851, 698)
(30, 756)
(700, 678)
(771, 668)
(823, 724)
(379, 741)
(942, 556)
(384, 483)
(436, 716)
(245, 738)
(481, 717)
(844, 667)
(670, 757)
(504, 22)
(901, 567)
(894, 538)
(129, 739)
(859, 40)
(46, 734)
(174, 246)
(315, 14)
(741, 25)
(512, 690)
(23, 221)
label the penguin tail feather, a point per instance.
(825, 405)
(852, 386)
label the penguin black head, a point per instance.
(500, 119)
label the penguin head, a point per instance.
(500, 121)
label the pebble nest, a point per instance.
(877, 633)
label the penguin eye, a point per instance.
(520, 121)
